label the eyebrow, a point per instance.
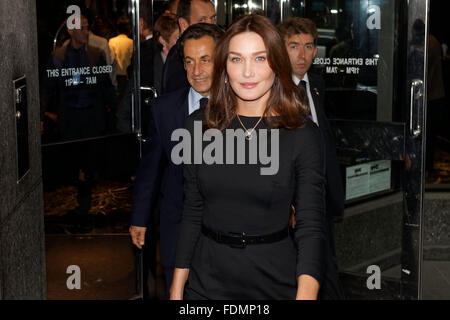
(253, 54)
(206, 17)
(295, 42)
(202, 57)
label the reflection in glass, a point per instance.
(84, 70)
(357, 55)
(241, 7)
(88, 164)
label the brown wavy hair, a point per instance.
(286, 100)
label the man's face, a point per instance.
(80, 36)
(173, 8)
(198, 62)
(202, 12)
(302, 51)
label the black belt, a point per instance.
(241, 240)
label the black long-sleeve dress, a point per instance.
(237, 198)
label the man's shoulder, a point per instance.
(174, 54)
(97, 41)
(317, 82)
(316, 78)
(148, 44)
(196, 116)
(172, 99)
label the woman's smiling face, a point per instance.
(249, 73)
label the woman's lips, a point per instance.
(249, 85)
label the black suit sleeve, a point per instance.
(148, 177)
(148, 51)
(309, 202)
(335, 188)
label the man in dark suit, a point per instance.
(157, 173)
(300, 36)
(189, 12)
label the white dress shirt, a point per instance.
(310, 99)
(194, 100)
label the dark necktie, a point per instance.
(302, 85)
(203, 102)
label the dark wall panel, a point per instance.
(22, 265)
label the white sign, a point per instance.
(367, 178)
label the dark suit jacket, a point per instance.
(331, 288)
(158, 65)
(158, 176)
(335, 189)
(151, 64)
(174, 75)
(148, 50)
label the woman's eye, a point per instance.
(235, 59)
(260, 58)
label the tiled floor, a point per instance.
(107, 268)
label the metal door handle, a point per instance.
(416, 100)
(152, 89)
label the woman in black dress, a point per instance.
(234, 241)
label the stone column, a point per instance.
(22, 237)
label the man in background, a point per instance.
(83, 100)
(122, 48)
(300, 37)
(189, 12)
(158, 177)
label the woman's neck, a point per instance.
(254, 108)
(250, 110)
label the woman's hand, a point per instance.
(308, 288)
(180, 277)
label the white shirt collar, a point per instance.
(194, 100)
(297, 80)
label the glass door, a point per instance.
(90, 151)
(372, 55)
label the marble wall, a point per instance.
(436, 227)
(22, 253)
(370, 233)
